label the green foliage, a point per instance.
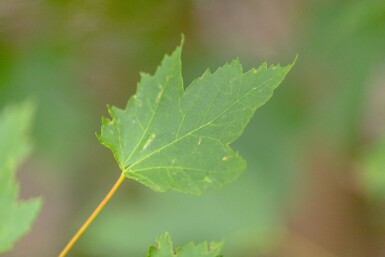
(373, 176)
(72, 56)
(171, 138)
(164, 248)
(15, 216)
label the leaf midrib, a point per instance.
(149, 123)
(129, 169)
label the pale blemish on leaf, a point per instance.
(159, 95)
(149, 141)
(207, 180)
(226, 158)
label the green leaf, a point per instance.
(171, 138)
(373, 175)
(164, 248)
(16, 217)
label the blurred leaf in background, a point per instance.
(16, 216)
(165, 248)
(373, 176)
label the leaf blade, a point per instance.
(16, 217)
(170, 138)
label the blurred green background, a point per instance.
(315, 183)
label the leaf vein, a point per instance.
(197, 129)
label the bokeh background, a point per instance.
(315, 183)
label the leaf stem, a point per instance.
(92, 216)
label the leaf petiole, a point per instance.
(85, 225)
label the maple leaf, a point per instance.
(171, 138)
(164, 248)
(15, 216)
